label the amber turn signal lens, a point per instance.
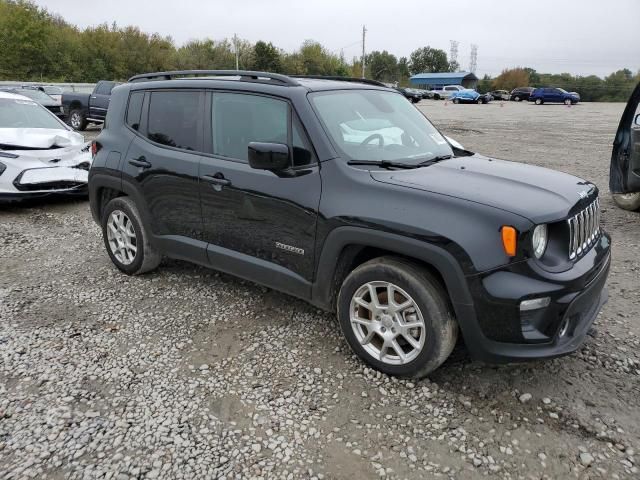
(509, 240)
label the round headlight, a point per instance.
(539, 240)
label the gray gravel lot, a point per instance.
(188, 373)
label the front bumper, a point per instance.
(500, 333)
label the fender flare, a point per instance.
(440, 259)
(102, 180)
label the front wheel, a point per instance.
(436, 97)
(567, 101)
(539, 101)
(627, 201)
(396, 317)
(516, 98)
(456, 101)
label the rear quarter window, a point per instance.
(134, 109)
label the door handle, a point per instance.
(140, 162)
(217, 179)
(93, 98)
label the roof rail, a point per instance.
(342, 79)
(245, 75)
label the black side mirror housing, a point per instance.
(269, 156)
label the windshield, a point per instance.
(16, 113)
(36, 95)
(562, 90)
(377, 125)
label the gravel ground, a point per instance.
(188, 373)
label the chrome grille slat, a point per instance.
(584, 229)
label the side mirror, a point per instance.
(638, 119)
(269, 156)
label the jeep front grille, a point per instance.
(584, 230)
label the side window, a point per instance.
(134, 109)
(173, 119)
(239, 119)
(302, 154)
(104, 88)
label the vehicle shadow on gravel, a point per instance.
(44, 202)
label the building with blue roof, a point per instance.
(435, 81)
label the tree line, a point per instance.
(616, 87)
(38, 45)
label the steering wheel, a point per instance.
(374, 136)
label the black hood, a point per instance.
(536, 193)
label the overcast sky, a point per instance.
(581, 37)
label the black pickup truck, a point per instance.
(80, 109)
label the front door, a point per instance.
(265, 220)
(163, 159)
(624, 174)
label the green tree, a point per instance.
(382, 66)
(427, 59)
(266, 57)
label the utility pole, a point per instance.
(364, 32)
(235, 44)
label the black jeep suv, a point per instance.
(342, 193)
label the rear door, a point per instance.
(624, 176)
(265, 222)
(99, 100)
(162, 163)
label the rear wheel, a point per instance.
(539, 101)
(77, 120)
(456, 101)
(126, 239)
(516, 98)
(436, 97)
(396, 317)
(627, 201)
(480, 101)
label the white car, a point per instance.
(446, 91)
(39, 154)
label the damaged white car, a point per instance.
(39, 154)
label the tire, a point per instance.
(480, 101)
(627, 201)
(516, 98)
(567, 102)
(77, 120)
(146, 257)
(539, 101)
(456, 101)
(434, 334)
(436, 97)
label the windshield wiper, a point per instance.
(380, 163)
(433, 160)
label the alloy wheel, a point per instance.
(387, 322)
(75, 120)
(121, 237)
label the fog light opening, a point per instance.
(564, 328)
(534, 304)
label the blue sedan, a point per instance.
(468, 96)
